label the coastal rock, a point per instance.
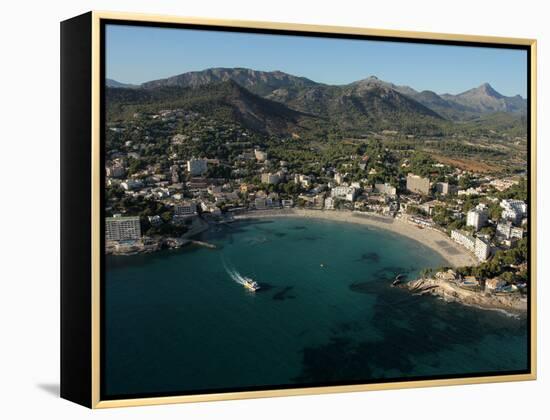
(451, 292)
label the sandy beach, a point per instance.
(454, 254)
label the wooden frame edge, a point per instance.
(533, 207)
(97, 403)
(309, 391)
(96, 210)
(299, 27)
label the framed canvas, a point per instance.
(257, 209)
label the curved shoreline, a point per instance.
(451, 252)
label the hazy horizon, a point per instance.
(136, 54)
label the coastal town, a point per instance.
(171, 174)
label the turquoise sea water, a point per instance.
(177, 321)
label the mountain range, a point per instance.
(276, 102)
(114, 84)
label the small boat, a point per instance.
(322, 265)
(250, 284)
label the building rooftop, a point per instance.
(119, 217)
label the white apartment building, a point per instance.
(482, 249)
(119, 228)
(513, 210)
(508, 231)
(417, 184)
(444, 188)
(478, 246)
(516, 205)
(503, 229)
(270, 178)
(464, 239)
(329, 203)
(385, 189)
(197, 166)
(345, 193)
(477, 217)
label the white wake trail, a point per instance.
(234, 274)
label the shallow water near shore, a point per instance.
(179, 321)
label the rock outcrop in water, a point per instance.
(451, 292)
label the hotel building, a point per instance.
(444, 188)
(508, 231)
(120, 228)
(482, 249)
(270, 178)
(185, 209)
(345, 193)
(513, 210)
(478, 246)
(477, 217)
(417, 184)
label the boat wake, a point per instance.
(235, 275)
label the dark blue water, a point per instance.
(176, 321)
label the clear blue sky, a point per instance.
(138, 54)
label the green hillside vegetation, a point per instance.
(226, 101)
(281, 107)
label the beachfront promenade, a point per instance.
(454, 254)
